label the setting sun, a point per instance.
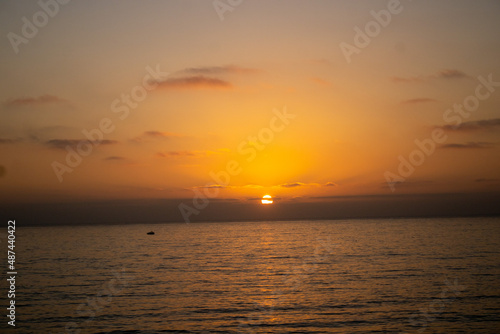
(267, 199)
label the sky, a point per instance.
(227, 101)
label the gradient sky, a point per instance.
(227, 79)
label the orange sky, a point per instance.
(176, 94)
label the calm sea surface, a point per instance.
(356, 276)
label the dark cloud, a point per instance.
(469, 145)
(219, 70)
(8, 141)
(301, 184)
(292, 185)
(451, 74)
(405, 184)
(331, 184)
(159, 134)
(446, 74)
(194, 82)
(418, 100)
(204, 77)
(27, 101)
(151, 135)
(61, 144)
(480, 180)
(485, 124)
(180, 154)
(213, 186)
(192, 154)
(114, 158)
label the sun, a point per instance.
(267, 199)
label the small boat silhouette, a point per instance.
(151, 232)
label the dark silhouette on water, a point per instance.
(150, 233)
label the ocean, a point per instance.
(339, 276)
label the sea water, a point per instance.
(339, 276)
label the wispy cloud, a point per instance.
(219, 70)
(321, 82)
(406, 79)
(190, 154)
(29, 101)
(8, 141)
(482, 180)
(114, 158)
(331, 184)
(302, 184)
(153, 135)
(61, 144)
(451, 74)
(159, 134)
(195, 82)
(446, 74)
(257, 186)
(469, 145)
(205, 77)
(406, 184)
(181, 154)
(418, 100)
(485, 124)
(213, 186)
(292, 185)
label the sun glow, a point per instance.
(267, 199)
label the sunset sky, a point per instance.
(182, 88)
